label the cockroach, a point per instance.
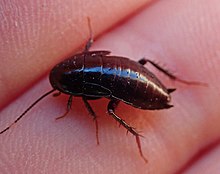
(93, 75)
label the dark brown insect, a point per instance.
(96, 74)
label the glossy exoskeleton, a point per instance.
(97, 74)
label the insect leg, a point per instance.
(56, 94)
(69, 104)
(90, 41)
(143, 61)
(92, 113)
(166, 72)
(111, 110)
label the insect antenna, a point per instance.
(31, 106)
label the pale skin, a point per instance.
(181, 36)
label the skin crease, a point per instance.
(204, 164)
(182, 37)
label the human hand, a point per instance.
(169, 32)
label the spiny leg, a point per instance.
(69, 104)
(169, 74)
(92, 113)
(90, 41)
(111, 110)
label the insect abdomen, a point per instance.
(125, 80)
